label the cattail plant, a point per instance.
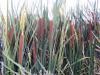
(34, 51)
(72, 33)
(10, 33)
(40, 29)
(21, 42)
(50, 29)
(90, 36)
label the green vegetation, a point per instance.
(65, 45)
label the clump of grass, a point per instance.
(61, 46)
